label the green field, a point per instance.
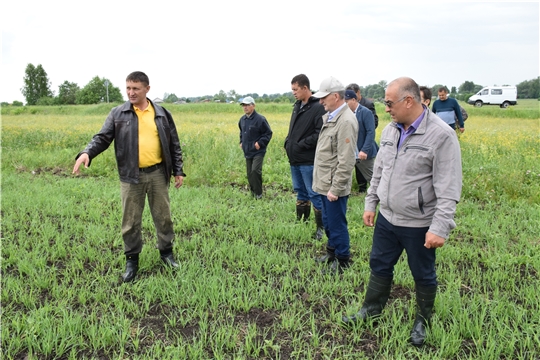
(248, 287)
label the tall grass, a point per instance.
(248, 287)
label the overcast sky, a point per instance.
(193, 48)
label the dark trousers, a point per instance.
(360, 179)
(388, 244)
(254, 174)
(334, 215)
(154, 186)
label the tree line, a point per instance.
(37, 91)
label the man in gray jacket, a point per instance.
(335, 157)
(417, 182)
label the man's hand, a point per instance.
(178, 181)
(369, 218)
(257, 145)
(331, 197)
(362, 155)
(462, 129)
(433, 241)
(82, 159)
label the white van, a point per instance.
(495, 95)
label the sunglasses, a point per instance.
(392, 103)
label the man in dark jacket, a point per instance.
(360, 179)
(366, 145)
(147, 153)
(300, 144)
(255, 135)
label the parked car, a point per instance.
(495, 95)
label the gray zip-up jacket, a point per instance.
(418, 185)
(335, 155)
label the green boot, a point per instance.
(377, 294)
(425, 299)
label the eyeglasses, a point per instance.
(392, 103)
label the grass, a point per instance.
(248, 287)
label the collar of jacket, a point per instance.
(310, 101)
(127, 106)
(338, 115)
(250, 116)
(423, 124)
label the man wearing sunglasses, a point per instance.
(417, 183)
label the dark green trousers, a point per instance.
(154, 187)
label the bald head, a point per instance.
(406, 86)
(402, 100)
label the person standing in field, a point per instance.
(255, 135)
(148, 153)
(335, 157)
(366, 146)
(448, 109)
(365, 102)
(300, 144)
(425, 95)
(417, 183)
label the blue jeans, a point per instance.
(388, 244)
(302, 179)
(335, 225)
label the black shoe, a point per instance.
(328, 258)
(132, 265)
(337, 267)
(325, 259)
(169, 260)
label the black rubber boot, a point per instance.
(303, 209)
(377, 294)
(337, 266)
(328, 258)
(168, 258)
(425, 299)
(320, 226)
(132, 266)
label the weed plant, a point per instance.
(248, 287)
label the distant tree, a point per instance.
(529, 89)
(36, 84)
(17, 103)
(466, 87)
(221, 96)
(46, 100)
(453, 90)
(4, 104)
(171, 98)
(233, 95)
(95, 92)
(469, 87)
(67, 93)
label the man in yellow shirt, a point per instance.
(148, 153)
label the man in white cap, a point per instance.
(335, 158)
(255, 134)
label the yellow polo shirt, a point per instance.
(149, 145)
